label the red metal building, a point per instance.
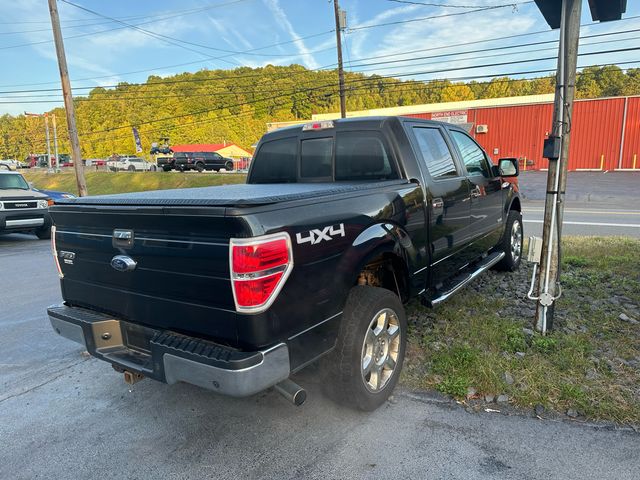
(605, 132)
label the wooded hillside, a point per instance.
(212, 106)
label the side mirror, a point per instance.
(508, 167)
(31, 185)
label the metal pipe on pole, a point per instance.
(76, 153)
(46, 129)
(55, 142)
(339, 27)
(549, 289)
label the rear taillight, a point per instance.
(259, 268)
(54, 251)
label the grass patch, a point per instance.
(102, 183)
(589, 362)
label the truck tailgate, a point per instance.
(181, 280)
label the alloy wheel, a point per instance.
(380, 350)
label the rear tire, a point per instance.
(364, 368)
(511, 243)
(43, 233)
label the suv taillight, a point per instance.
(259, 268)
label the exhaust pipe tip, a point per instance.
(292, 392)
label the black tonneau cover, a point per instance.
(231, 195)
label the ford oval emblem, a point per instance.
(123, 263)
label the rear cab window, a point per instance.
(351, 155)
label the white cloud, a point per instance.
(435, 35)
(282, 18)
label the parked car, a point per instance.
(165, 162)
(201, 161)
(94, 162)
(131, 164)
(22, 209)
(10, 163)
(39, 160)
(233, 288)
(53, 194)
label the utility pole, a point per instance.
(76, 153)
(557, 151)
(339, 27)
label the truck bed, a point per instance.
(232, 195)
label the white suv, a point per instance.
(131, 164)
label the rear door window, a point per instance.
(435, 152)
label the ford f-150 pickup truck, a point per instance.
(234, 288)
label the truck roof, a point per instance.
(372, 122)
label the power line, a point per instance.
(73, 20)
(197, 122)
(423, 19)
(412, 64)
(167, 39)
(431, 4)
(243, 92)
(508, 37)
(158, 36)
(314, 35)
(425, 87)
(281, 95)
(158, 16)
(257, 74)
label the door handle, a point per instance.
(437, 203)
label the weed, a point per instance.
(514, 340)
(544, 344)
(454, 386)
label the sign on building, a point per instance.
(451, 116)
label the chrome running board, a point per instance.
(488, 262)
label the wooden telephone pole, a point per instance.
(343, 101)
(76, 153)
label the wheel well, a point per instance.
(386, 271)
(515, 205)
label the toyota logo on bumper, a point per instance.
(123, 263)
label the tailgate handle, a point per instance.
(122, 238)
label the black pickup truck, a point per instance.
(201, 161)
(234, 288)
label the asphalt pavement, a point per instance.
(586, 219)
(65, 415)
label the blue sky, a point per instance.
(103, 52)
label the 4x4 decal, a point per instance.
(317, 235)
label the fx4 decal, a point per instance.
(317, 235)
